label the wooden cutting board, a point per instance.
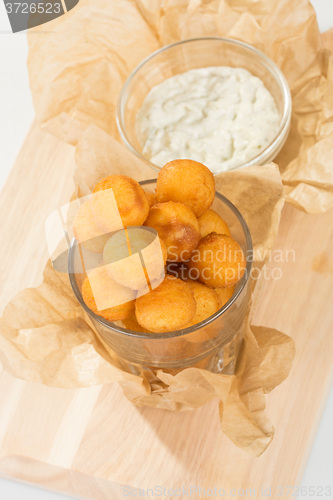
(90, 442)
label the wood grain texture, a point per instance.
(89, 442)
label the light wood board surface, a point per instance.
(89, 442)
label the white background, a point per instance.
(16, 115)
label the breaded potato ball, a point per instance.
(211, 222)
(186, 181)
(168, 307)
(152, 200)
(207, 301)
(131, 208)
(224, 294)
(86, 230)
(158, 348)
(177, 226)
(219, 261)
(135, 256)
(99, 286)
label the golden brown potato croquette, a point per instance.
(206, 299)
(131, 200)
(208, 304)
(168, 307)
(218, 261)
(211, 222)
(177, 226)
(186, 181)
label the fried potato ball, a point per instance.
(186, 181)
(177, 226)
(152, 200)
(158, 348)
(86, 230)
(206, 299)
(98, 285)
(219, 261)
(135, 256)
(224, 294)
(168, 307)
(207, 304)
(211, 222)
(119, 201)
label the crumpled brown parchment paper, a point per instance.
(77, 70)
(47, 337)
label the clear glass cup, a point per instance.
(199, 53)
(212, 344)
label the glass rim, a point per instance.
(275, 71)
(174, 333)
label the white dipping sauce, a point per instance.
(220, 116)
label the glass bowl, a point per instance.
(199, 53)
(212, 344)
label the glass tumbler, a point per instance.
(212, 344)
